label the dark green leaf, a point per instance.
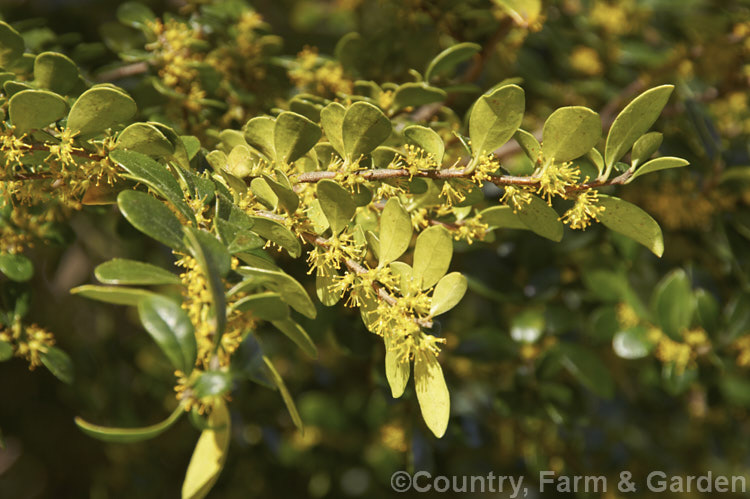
(123, 271)
(16, 267)
(127, 435)
(447, 60)
(59, 364)
(112, 294)
(99, 108)
(31, 109)
(170, 327)
(151, 217)
(298, 335)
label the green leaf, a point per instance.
(542, 219)
(337, 204)
(364, 128)
(128, 435)
(332, 120)
(16, 267)
(267, 306)
(151, 217)
(55, 72)
(6, 351)
(112, 294)
(631, 221)
(288, 401)
(570, 132)
(11, 45)
(432, 255)
(293, 136)
(35, 109)
(99, 108)
(277, 233)
(634, 121)
(588, 368)
(706, 310)
(135, 14)
(397, 370)
(145, 170)
(428, 139)
(298, 335)
(528, 143)
(123, 271)
(291, 291)
(170, 327)
(284, 192)
(524, 13)
(673, 304)
(212, 384)
(259, 133)
(528, 326)
(147, 139)
(415, 94)
(432, 392)
(395, 231)
(59, 364)
(659, 164)
(264, 193)
(209, 455)
(645, 147)
(495, 118)
(447, 60)
(448, 292)
(323, 285)
(632, 343)
(502, 217)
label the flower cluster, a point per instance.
(28, 342)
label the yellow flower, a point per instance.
(584, 210)
(555, 178)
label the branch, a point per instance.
(134, 69)
(449, 173)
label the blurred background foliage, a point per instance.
(643, 402)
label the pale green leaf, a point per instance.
(657, 164)
(209, 455)
(337, 204)
(645, 147)
(570, 132)
(395, 231)
(634, 121)
(428, 139)
(432, 255)
(432, 392)
(448, 292)
(631, 221)
(364, 128)
(495, 118)
(293, 136)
